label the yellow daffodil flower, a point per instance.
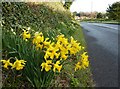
(72, 50)
(46, 65)
(84, 60)
(38, 38)
(57, 66)
(60, 37)
(64, 57)
(39, 46)
(77, 66)
(46, 43)
(84, 55)
(26, 35)
(18, 64)
(6, 63)
(62, 40)
(83, 63)
(64, 54)
(74, 46)
(58, 45)
(51, 52)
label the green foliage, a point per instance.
(113, 11)
(44, 17)
(99, 15)
(39, 17)
(74, 14)
(15, 46)
(74, 82)
(67, 5)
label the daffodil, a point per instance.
(38, 38)
(26, 35)
(46, 65)
(75, 47)
(78, 66)
(46, 43)
(72, 50)
(18, 64)
(57, 66)
(60, 37)
(84, 56)
(6, 63)
(62, 40)
(58, 45)
(84, 60)
(64, 54)
(52, 52)
(83, 63)
(68, 46)
(39, 46)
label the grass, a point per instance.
(49, 18)
(82, 77)
(110, 22)
(70, 78)
(106, 21)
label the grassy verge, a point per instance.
(106, 22)
(49, 18)
(70, 78)
(103, 21)
(110, 22)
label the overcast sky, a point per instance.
(90, 5)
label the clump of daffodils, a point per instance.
(83, 62)
(18, 64)
(54, 52)
(48, 65)
(61, 49)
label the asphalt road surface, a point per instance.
(102, 45)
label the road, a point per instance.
(102, 46)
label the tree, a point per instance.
(113, 11)
(67, 3)
(78, 14)
(99, 15)
(74, 14)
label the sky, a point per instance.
(91, 5)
